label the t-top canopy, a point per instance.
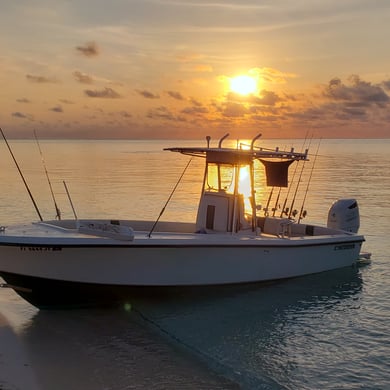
(238, 156)
(275, 161)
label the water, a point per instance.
(327, 331)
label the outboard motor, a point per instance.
(344, 215)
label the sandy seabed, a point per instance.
(15, 368)
(91, 350)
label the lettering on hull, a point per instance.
(41, 248)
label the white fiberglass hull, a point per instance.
(164, 260)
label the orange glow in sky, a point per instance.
(183, 69)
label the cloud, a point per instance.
(23, 100)
(386, 84)
(125, 114)
(147, 94)
(310, 114)
(108, 93)
(20, 115)
(40, 79)
(175, 95)
(90, 49)
(195, 110)
(266, 98)
(232, 109)
(250, 106)
(163, 113)
(82, 77)
(353, 102)
(357, 91)
(195, 102)
(271, 75)
(56, 109)
(354, 111)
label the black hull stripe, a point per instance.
(177, 246)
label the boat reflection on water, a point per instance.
(253, 335)
(258, 337)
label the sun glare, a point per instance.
(243, 84)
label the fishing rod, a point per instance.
(268, 202)
(283, 209)
(169, 198)
(291, 211)
(302, 213)
(21, 175)
(70, 200)
(58, 212)
(276, 202)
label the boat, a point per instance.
(233, 241)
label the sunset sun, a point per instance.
(243, 85)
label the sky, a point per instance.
(139, 69)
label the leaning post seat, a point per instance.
(275, 226)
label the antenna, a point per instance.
(58, 212)
(21, 175)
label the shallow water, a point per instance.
(93, 349)
(327, 331)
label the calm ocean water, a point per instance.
(326, 331)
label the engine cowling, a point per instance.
(344, 215)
